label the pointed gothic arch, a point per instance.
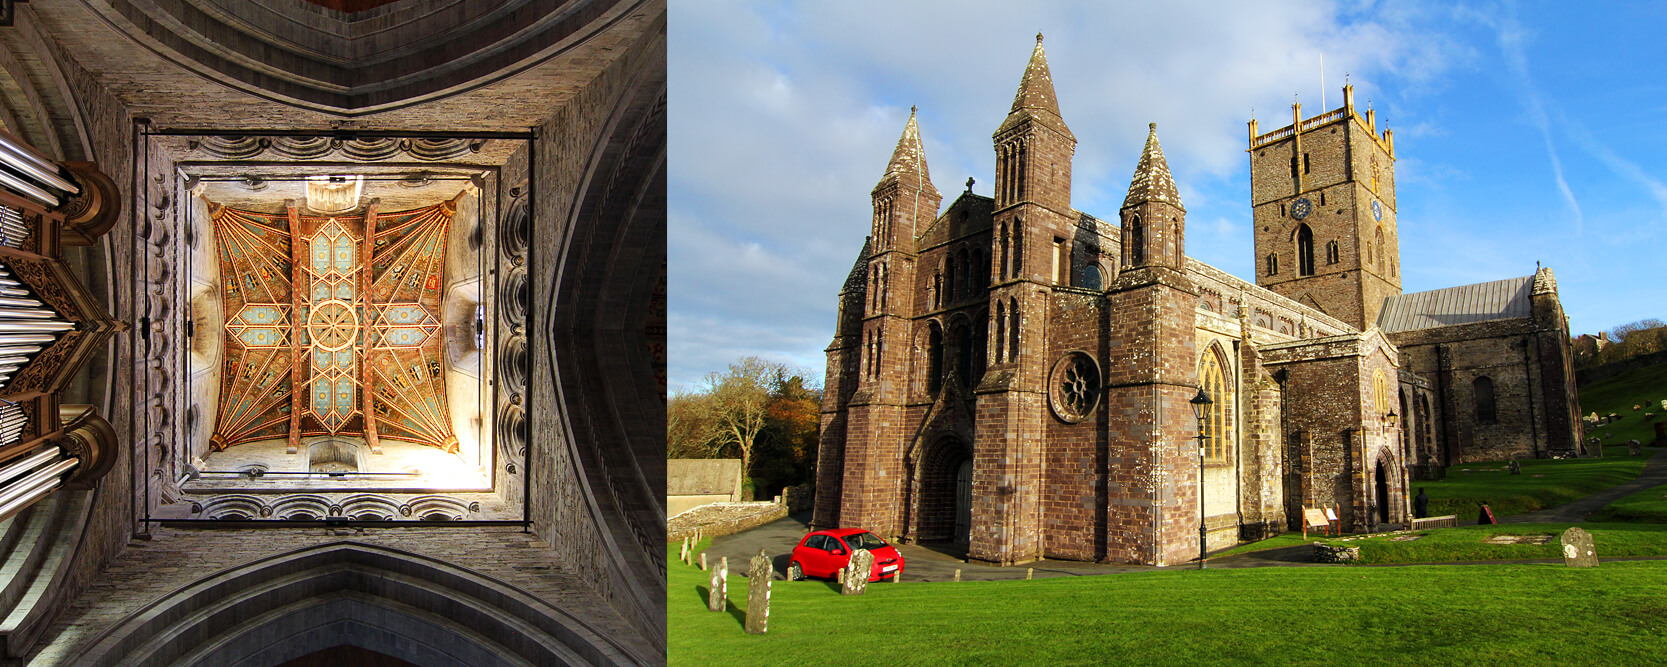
(1216, 382)
(1305, 250)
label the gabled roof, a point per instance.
(1152, 181)
(1465, 304)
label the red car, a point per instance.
(824, 553)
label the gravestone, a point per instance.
(1578, 549)
(856, 576)
(957, 574)
(703, 561)
(1029, 572)
(717, 597)
(1634, 448)
(1514, 467)
(758, 594)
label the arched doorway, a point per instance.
(1383, 493)
(963, 503)
(944, 508)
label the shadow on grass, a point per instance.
(737, 612)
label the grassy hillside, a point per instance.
(1645, 386)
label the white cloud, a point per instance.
(785, 117)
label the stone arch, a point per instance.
(1305, 250)
(1387, 480)
(936, 505)
(392, 602)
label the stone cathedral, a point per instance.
(1016, 375)
(332, 332)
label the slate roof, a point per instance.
(857, 279)
(1465, 304)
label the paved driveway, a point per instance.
(938, 563)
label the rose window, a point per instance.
(1075, 387)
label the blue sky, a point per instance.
(1524, 132)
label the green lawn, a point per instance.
(1649, 505)
(1644, 386)
(1437, 614)
(1466, 543)
(1543, 483)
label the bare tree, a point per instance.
(739, 398)
(689, 426)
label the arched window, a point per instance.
(1273, 263)
(1212, 381)
(1137, 241)
(961, 337)
(1482, 388)
(1305, 251)
(1331, 252)
(1092, 277)
(1018, 248)
(949, 281)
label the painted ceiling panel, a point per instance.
(383, 350)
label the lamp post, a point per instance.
(1200, 405)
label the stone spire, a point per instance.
(1152, 182)
(1544, 282)
(908, 162)
(1035, 98)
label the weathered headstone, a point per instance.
(1029, 572)
(856, 577)
(1634, 448)
(703, 561)
(957, 574)
(1578, 549)
(1514, 467)
(684, 554)
(717, 597)
(758, 594)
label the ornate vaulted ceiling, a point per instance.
(330, 319)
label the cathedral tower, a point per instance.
(904, 203)
(1033, 227)
(1151, 374)
(1323, 201)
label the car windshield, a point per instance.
(864, 541)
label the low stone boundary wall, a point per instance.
(722, 519)
(1449, 521)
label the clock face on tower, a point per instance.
(1377, 211)
(1301, 208)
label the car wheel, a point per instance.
(795, 573)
